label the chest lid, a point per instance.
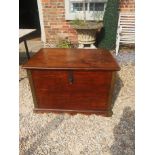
(72, 59)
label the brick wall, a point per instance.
(57, 27)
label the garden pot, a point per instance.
(87, 33)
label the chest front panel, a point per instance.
(78, 90)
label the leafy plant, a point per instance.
(64, 43)
(110, 22)
(77, 22)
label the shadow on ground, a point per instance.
(124, 134)
(117, 87)
(41, 134)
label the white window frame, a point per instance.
(90, 15)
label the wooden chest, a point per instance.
(72, 80)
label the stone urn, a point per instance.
(87, 33)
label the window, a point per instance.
(94, 9)
(96, 6)
(78, 7)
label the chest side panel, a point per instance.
(89, 90)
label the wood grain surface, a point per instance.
(89, 91)
(72, 80)
(77, 59)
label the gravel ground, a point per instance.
(63, 134)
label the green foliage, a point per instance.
(110, 22)
(77, 22)
(64, 43)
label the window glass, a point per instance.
(78, 7)
(96, 6)
(74, 9)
